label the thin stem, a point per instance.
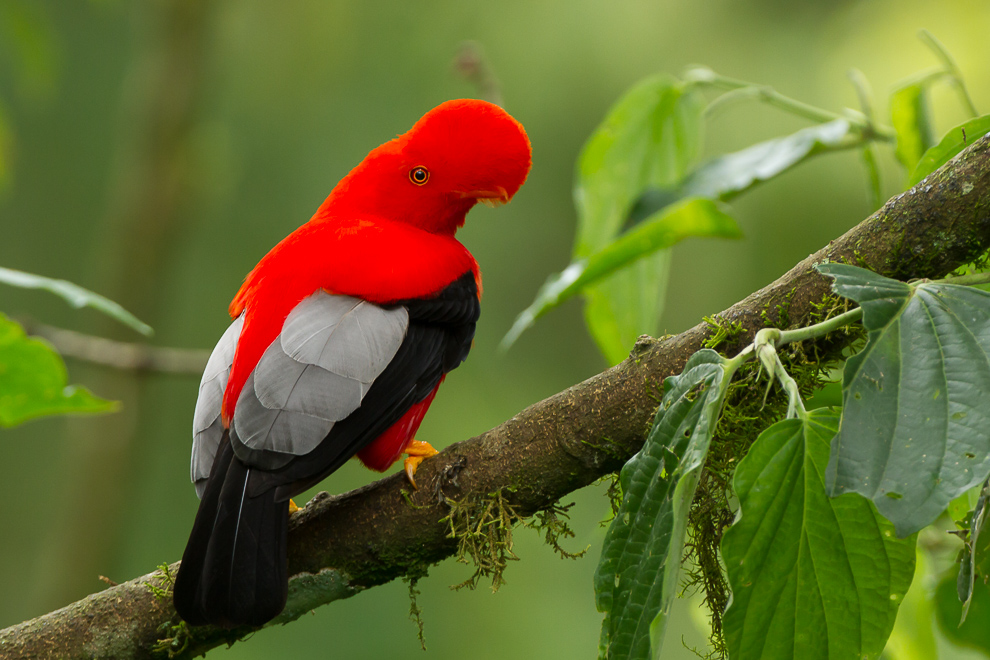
(864, 92)
(740, 89)
(744, 356)
(869, 126)
(764, 347)
(769, 95)
(942, 53)
(873, 174)
(853, 315)
(966, 280)
(925, 77)
(794, 402)
(820, 329)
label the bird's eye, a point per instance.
(419, 175)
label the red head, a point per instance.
(461, 152)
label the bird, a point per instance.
(341, 336)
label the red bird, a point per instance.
(341, 336)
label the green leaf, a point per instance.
(690, 217)
(648, 139)
(33, 380)
(911, 117)
(811, 577)
(975, 631)
(636, 579)
(954, 141)
(915, 415)
(727, 176)
(75, 295)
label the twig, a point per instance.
(472, 65)
(119, 354)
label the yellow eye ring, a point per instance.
(419, 175)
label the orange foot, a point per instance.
(417, 451)
(293, 507)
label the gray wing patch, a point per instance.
(261, 431)
(313, 375)
(207, 427)
(321, 326)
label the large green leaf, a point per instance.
(75, 295)
(811, 577)
(649, 138)
(916, 401)
(911, 118)
(33, 380)
(954, 141)
(636, 579)
(691, 217)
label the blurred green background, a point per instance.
(157, 150)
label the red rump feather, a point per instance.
(387, 449)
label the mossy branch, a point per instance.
(341, 545)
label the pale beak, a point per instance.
(490, 198)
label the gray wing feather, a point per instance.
(279, 430)
(284, 384)
(314, 374)
(207, 427)
(347, 336)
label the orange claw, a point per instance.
(417, 452)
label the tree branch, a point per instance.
(553, 447)
(128, 356)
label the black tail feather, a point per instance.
(233, 570)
